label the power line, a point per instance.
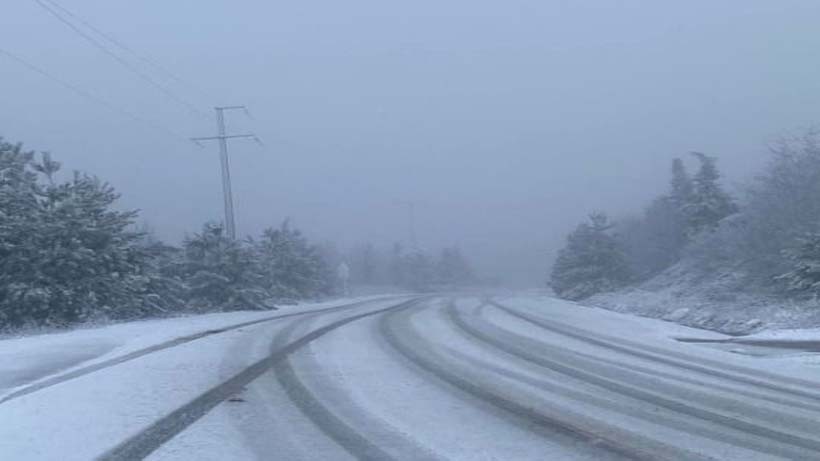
(119, 44)
(145, 77)
(86, 95)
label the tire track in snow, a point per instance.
(675, 359)
(653, 372)
(625, 408)
(152, 437)
(359, 443)
(544, 419)
(779, 443)
(649, 372)
(61, 378)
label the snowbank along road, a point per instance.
(423, 378)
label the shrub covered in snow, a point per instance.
(592, 261)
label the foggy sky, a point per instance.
(505, 122)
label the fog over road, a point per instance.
(429, 378)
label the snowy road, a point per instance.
(428, 378)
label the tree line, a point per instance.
(68, 256)
(765, 240)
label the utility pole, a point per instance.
(222, 138)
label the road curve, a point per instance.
(149, 439)
(438, 378)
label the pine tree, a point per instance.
(65, 255)
(292, 268)
(709, 203)
(222, 274)
(682, 188)
(780, 209)
(591, 262)
(655, 240)
(667, 223)
(805, 259)
(162, 289)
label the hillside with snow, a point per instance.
(713, 300)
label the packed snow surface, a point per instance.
(464, 378)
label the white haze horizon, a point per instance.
(504, 123)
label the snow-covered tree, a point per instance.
(65, 255)
(681, 187)
(163, 291)
(654, 241)
(805, 258)
(222, 274)
(708, 203)
(591, 262)
(22, 298)
(292, 267)
(780, 208)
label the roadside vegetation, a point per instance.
(68, 255)
(765, 241)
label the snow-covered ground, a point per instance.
(81, 417)
(719, 302)
(626, 305)
(25, 360)
(511, 378)
(788, 334)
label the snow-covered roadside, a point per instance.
(736, 314)
(82, 418)
(668, 335)
(796, 345)
(788, 334)
(717, 300)
(650, 317)
(31, 359)
(606, 321)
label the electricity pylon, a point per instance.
(222, 138)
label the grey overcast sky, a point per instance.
(505, 122)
